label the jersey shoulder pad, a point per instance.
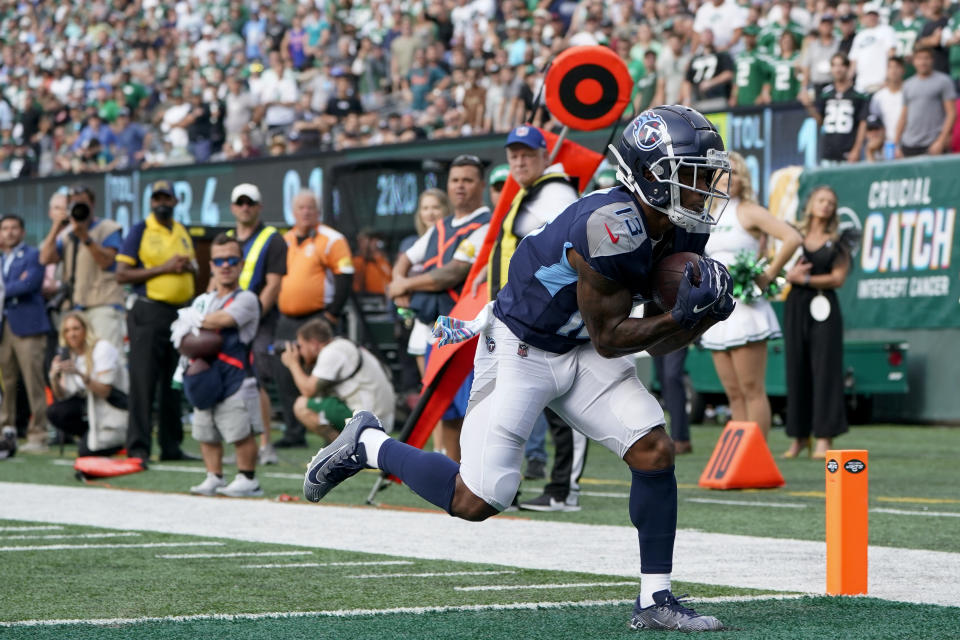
(614, 224)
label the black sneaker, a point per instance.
(341, 459)
(666, 612)
(546, 502)
(536, 470)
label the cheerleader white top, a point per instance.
(751, 322)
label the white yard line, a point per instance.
(146, 545)
(440, 574)
(34, 528)
(238, 554)
(749, 503)
(380, 563)
(350, 613)
(68, 536)
(933, 514)
(569, 585)
(909, 575)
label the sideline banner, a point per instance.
(903, 275)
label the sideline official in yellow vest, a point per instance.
(88, 246)
(158, 259)
(264, 265)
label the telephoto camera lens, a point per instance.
(277, 348)
(80, 211)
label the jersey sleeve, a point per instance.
(613, 240)
(130, 252)
(339, 258)
(470, 246)
(276, 261)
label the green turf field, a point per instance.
(138, 583)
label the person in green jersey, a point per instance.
(650, 86)
(783, 76)
(769, 40)
(907, 29)
(750, 72)
(951, 38)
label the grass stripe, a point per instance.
(571, 585)
(748, 503)
(432, 575)
(327, 564)
(237, 554)
(145, 545)
(902, 512)
(350, 613)
(920, 500)
(67, 536)
(34, 528)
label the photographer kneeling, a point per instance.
(344, 378)
(90, 385)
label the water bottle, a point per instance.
(889, 150)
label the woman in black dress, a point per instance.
(813, 330)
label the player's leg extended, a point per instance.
(609, 404)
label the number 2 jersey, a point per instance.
(609, 230)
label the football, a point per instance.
(667, 274)
(206, 345)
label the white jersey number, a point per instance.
(838, 116)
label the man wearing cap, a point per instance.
(750, 72)
(158, 259)
(264, 265)
(444, 256)
(496, 180)
(88, 246)
(873, 147)
(872, 46)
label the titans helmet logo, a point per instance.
(649, 130)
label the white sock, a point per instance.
(371, 439)
(650, 583)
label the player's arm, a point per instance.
(218, 320)
(605, 307)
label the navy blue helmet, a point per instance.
(665, 152)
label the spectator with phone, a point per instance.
(88, 246)
(89, 383)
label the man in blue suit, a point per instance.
(25, 327)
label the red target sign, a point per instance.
(588, 87)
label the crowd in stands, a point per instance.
(127, 84)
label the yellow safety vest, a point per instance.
(507, 240)
(253, 256)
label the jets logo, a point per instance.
(649, 130)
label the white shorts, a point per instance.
(601, 398)
(232, 420)
(420, 337)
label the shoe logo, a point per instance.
(613, 238)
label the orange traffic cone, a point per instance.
(741, 460)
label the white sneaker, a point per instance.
(209, 486)
(267, 455)
(241, 487)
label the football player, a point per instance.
(556, 337)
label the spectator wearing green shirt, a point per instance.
(769, 40)
(907, 29)
(750, 72)
(649, 88)
(783, 78)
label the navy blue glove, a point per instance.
(693, 302)
(726, 303)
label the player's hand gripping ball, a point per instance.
(700, 285)
(668, 273)
(206, 344)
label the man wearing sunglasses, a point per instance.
(264, 265)
(235, 314)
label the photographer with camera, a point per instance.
(372, 270)
(88, 247)
(24, 332)
(89, 383)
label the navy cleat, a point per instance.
(668, 614)
(342, 458)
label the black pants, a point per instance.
(153, 361)
(568, 460)
(670, 374)
(70, 416)
(287, 391)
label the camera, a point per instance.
(277, 347)
(80, 211)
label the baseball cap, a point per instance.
(871, 7)
(827, 17)
(499, 174)
(848, 17)
(245, 189)
(162, 187)
(874, 122)
(527, 136)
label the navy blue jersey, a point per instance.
(609, 229)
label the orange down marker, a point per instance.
(847, 484)
(741, 460)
